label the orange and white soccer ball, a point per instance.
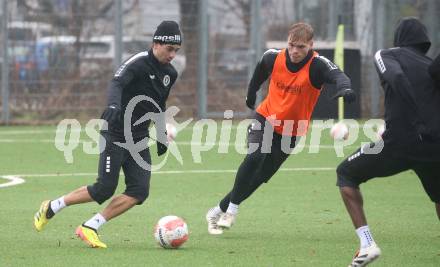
(171, 131)
(171, 232)
(339, 131)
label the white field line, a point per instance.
(182, 143)
(18, 178)
(13, 180)
(30, 132)
(25, 132)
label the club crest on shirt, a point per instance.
(166, 80)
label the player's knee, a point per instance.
(140, 192)
(342, 182)
(143, 193)
(340, 169)
(340, 179)
(142, 197)
(106, 192)
(100, 192)
(343, 177)
(254, 159)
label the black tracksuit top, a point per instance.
(412, 102)
(141, 75)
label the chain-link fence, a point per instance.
(61, 54)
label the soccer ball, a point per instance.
(380, 131)
(339, 131)
(171, 232)
(171, 131)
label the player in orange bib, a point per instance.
(297, 75)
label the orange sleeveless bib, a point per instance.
(291, 98)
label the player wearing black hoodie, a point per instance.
(412, 136)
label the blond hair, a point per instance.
(300, 32)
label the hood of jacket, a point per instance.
(411, 32)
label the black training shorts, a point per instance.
(111, 160)
(361, 167)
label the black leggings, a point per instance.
(257, 167)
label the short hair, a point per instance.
(300, 31)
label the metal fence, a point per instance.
(58, 56)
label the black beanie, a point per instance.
(168, 32)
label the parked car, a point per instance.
(22, 64)
(95, 55)
(100, 50)
(27, 30)
(56, 53)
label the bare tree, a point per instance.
(73, 17)
(240, 8)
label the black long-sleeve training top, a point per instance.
(141, 74)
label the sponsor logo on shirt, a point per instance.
(293, 89)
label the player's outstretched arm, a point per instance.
(323, 71)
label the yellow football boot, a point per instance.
(40, 219)
(89, 236)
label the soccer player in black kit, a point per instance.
(147, 73)
(297, 75)
(412, 136)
